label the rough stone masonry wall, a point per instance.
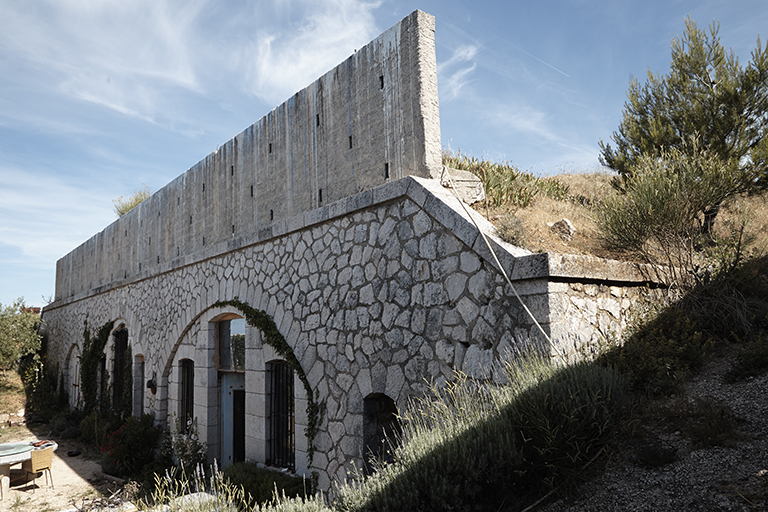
(371, 120)
(379, 287)
(378, 293)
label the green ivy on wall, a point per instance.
(272, 337)
(93, 352)
(124, 407)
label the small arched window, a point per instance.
(381, 428)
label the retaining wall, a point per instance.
(379, 293)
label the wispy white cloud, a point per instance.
(520, 119)
(285, 57)
(451, 79)
(121, 55)
(44, 216)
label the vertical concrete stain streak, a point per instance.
(349, 113)
(291, 113)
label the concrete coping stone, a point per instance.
(444, 208)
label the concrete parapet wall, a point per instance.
(371, 120)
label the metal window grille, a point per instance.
(187, 393)
(118, 369)
(281, 443)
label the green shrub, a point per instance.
(504, 184)
(670, 342)
(705, 421)
(659, 355)
(659, 216)
(132, 446)
(511, 229)
(752, 359)
(259, 484)
(94, 427)
(184, 449)
(563, 417)
(474, 446)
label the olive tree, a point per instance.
(18, 334)
(707, 96)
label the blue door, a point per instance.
(232, 418)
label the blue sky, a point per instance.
(98, 98)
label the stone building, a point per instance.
(292, 290)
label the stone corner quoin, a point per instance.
(327, 214)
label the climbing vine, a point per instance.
(272, 337)
(124, 405)
(93, 351)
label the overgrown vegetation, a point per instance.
(123, 205)
(504, 183)
(708, 97)
(658, 219)
(93, 352)
(131, 448)
(184, 449)
(669, 342)
(18, 334)
(475, 446)
(259, 483)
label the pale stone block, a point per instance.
(395, 381)
(478, 363)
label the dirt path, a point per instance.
(75, 479)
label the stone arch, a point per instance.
(196, 342)
(115, 351)
(72, 376)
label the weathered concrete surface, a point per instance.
(372, 119)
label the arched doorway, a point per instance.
(381, 428)
(229, 342)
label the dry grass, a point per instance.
(588, 190)
(12, 392)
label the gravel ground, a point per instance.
(712, 479)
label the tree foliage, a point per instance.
(659, 217)
(707, 96)
(123, 205)
(18, 334)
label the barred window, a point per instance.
(280, 416)
(186, 393)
